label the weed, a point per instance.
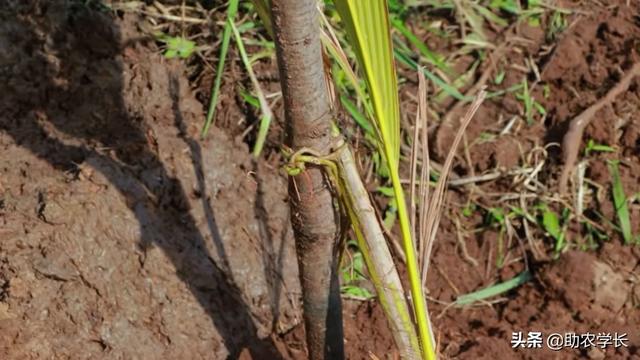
(494, 290)
(530, 104)
(502, 92)
(593, 237)
(531, 13)
(431, 57)
(557, 24)
(468, 210)
(620, 204)
(509, 6)
(232, 9)
(249, 99)
(496, 218)
(546, 91)
(405, 58)
(485, 137)
(592, 146)
(554, 225)
(458, 83)
(267, 115)
(353, 273)
(382, 170)
(177, 46)
(359, 118)
(263, 130)
(499, 78)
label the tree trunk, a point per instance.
(313, 215)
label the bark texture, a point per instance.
(314, 218)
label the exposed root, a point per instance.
(573, 137)
(463, 245)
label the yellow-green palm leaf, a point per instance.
(366, 22)
(367, 26)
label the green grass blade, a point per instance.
(407, 60)
(359, 118)
(551, 224)
(249, 99)
(459, 82)
(502, 92)
(620, 203)
(494, 290)
(267, 115)
(431, 57)
(265, 121)
(489, 15)
(232, 10)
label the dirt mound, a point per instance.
(123, 235)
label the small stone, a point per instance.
(596, 354)
(4, 312)
(610, 288)
(18, 288)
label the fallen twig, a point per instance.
(573, 137)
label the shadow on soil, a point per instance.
(83, 36)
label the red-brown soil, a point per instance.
(125, 236)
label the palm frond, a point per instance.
(367, 27)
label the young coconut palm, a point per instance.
(315, 147)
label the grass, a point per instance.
(554, 225)
(496, 217)
(427, 54)
(531, 106)
(494, 290)
(177, 46)
(620, 204)
(265, 108)
(405, 58)
(592, 147)
(232, 10)
(359, 118)
(557, 24)
(353, 273)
